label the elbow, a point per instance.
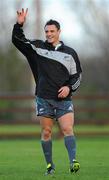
(13, 38)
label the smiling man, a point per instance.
(52, 32)
(57, 73)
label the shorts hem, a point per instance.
(63, 114)
(44, 115)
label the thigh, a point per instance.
(46, 128)
(66, 121)
(45, 122)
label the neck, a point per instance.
(56, 43)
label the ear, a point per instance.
(59, 31)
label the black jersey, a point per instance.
(52, 67)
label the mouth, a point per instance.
(49, 38)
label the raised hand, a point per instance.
(21, 16)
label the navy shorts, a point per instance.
(52, 108)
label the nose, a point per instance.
(48, 33)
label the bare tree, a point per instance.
(94, 19)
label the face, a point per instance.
(52, 34)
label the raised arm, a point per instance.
(18, 38)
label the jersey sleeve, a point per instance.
(75, 79)
(20, 41)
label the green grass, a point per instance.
(35, 128)
(18, 128)
(23, 160)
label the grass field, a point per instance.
(13, 129)
(23, 160)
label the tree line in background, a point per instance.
(94, 19)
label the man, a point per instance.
(57, 73)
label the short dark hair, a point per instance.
(53, 22)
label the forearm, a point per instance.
(20, 41)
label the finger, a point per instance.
(61, 89)
(26, 11)
(61, 94)
(22, 10)
(18, 13)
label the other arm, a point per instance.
(74, 78)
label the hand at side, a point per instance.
(63, 92)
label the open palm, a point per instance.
(21, 16)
